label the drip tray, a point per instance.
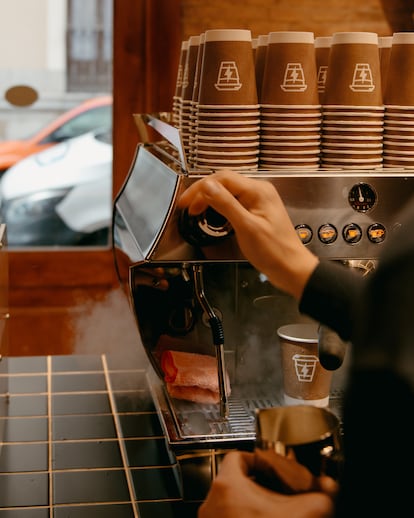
(192, 425)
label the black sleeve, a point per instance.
(329, 297)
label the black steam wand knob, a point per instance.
(204, 229)
(218, 337)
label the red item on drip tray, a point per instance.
(191, 376)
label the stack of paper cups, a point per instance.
(177, 98)
(399, 103)
(353, 110)
(186, 125)
(290, 108)
(228, 113)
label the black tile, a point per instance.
(128, 380)
(83, 427)
(140, 425)
(63, 404)
(94, 511)
(78, 382)
(36, 383)
(135, 401)
(20, 429)
(27, 512)
(76, 362)
(147, 452)
(168, 509)
(90, 486)
(27, 489)
(91, 454)
(24, 457)
(155, 483)
(23, 364)
(24, 405)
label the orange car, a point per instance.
(95, 113)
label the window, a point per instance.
(89, 45)
(56, 185)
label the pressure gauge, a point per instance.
(362, 197)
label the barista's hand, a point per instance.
(264, 231)
(235, 494)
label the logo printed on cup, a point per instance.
(228, 76)
(362, 79)
(305, 381)
(294, 78)
(305, 366)
(322, 73)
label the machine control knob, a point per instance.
(327, 233)
(204, 229)
(376, 233)
(352, 233)
(304, 232)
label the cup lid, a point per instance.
(323, 41)
(355, 37)
(228, 35)
(291, 37)
(307, 333)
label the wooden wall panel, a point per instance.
(319, 16)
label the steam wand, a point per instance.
(218, 337)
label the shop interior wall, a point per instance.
(323, 17)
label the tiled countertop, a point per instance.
(81, 438)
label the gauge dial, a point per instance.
(362, 197)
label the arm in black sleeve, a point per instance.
(329, 297)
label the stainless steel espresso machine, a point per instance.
(216, 302)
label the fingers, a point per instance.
(294, 477)
(231, 194)
(327, 485)
(236, 463)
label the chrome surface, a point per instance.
(146, 238)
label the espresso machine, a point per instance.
(217, 303)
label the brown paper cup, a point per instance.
(399, 88)
(384, 45)
(290, 75)
(228, 70)
(305, 381)
(190, 68)
(260, 59)
(322, 51)
(354, 76)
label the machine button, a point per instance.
(352, 233)
(304, 232)
(376, 233)
(327, 233)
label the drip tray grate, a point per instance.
(185, 421)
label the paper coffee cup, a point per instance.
(354, 75)
(290, 76)
(227, 74)
(305, 381)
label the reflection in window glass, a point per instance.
(56, 153)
